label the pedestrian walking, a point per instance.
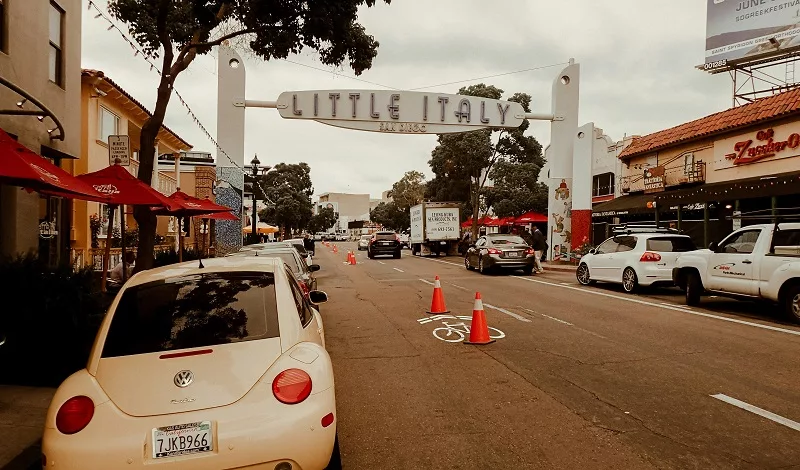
(308, 243)
(539, 245)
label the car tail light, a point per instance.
(529, 251)
(650, 256)
(327, 420)
(304, 286)
(75, 414)
(494, 251)
(291, 386)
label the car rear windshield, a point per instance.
(670, 244)
(385, 236)
(193, 311)
(287, 258)
(508, 240)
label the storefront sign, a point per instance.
(47, 230)
(400, 112)
(748, 151)
(654, 180)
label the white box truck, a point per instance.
(435, 228)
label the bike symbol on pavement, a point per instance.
(455, 332)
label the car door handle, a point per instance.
(747, 261)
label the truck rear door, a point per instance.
(732, 267)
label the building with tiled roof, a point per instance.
(697, 174)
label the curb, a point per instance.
(559, 268)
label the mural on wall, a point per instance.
(560, 208)
(229, 188)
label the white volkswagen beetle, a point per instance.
(214, 367)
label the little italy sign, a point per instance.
(399, 112)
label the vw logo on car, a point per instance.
(183, 378)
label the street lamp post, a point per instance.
(255, 167)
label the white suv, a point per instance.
(635, 257)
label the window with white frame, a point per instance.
(56, 54)
(109, 124)
(603, 184)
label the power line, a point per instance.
(489, 76)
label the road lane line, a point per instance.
(676, 305)
(381, 262)
(398, 269)
(548, 316)
(427, 282)
(456, 285)
(761, 412)
(668, 307)
(510, 314)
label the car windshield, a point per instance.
(366, 237)
(193, 311)
(507, 240)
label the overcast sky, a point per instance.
(637, 62)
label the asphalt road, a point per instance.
(585, 377)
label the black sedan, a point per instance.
(384, 243)
(500, 251)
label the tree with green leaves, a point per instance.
(177, 31)
(409, 190)
(288, 191)
(390, 216)
(322, 220)
(462, 163)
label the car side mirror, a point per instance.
(314, 267)
(317, 297)
(2, 339)
(713, 246)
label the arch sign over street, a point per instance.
(401, 112)
(383, 111)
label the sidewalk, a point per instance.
(22, 414)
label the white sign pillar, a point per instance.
(566, 87)
(230, 141)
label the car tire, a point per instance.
(791, 303)
(528, 270)
(694, 288)
(481, 269)
(466, 263)
(370, 255)
(397, 255)
(630, 282)
(583, 275)
(335, 463)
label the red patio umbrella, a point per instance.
(20, 166)
(530, 218)
(190, 206)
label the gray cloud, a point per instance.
(637, 64)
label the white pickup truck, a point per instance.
(756, 262)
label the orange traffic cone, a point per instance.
(437, 303)
(335, 248)
(352, 258)
(479, 331)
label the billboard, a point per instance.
(742, 30)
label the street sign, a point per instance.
(400, 112)
(119, 148)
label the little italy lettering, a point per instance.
(745, 152)
(400, 112)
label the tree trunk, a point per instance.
(144, 216)
(476, 209)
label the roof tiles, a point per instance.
(765, 109)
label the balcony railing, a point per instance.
(166, 184)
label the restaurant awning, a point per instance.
(531, 217)
(623, 205)
(763, 186)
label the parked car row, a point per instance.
(756, 262)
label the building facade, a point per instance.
(348, 208)
(107, 109)
(40, 54)
(698, 175)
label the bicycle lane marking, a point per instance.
(650, 304)
(458, 331)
